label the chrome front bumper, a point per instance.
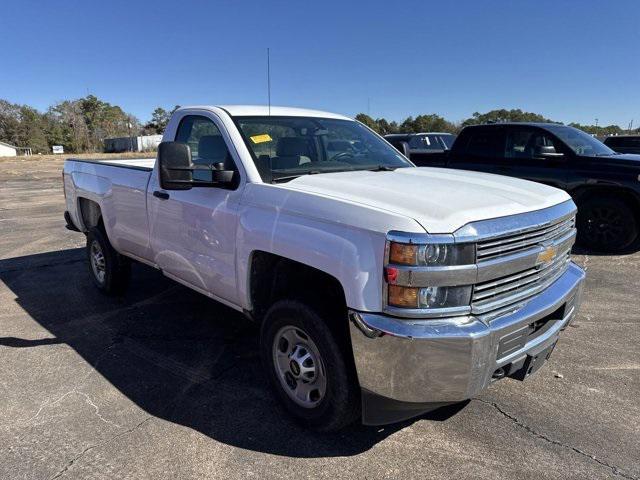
(449, 360)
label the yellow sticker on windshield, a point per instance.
(261, 138)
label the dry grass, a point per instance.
(35, 158)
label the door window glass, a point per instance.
(529, 144)
(486, 144)
(206, 143)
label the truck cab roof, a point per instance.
(265, 110)
(518, 124)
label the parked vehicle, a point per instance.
(624, 143)
(375, 300)
(422, 147)
(604, 184)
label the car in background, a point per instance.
(422, 148)
(604, 184)
(624, 143)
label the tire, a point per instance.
(606, 225)
(324, 378)
(109, 270)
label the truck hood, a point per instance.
(440, 200)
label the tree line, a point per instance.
(81, 125)
(436, 123)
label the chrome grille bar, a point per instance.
(509, 244)
(499, 293)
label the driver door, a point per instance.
(193, 232)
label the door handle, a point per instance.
(161, 195)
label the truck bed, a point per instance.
(119, 186)
(145, 164)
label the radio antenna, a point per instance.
(269, 81)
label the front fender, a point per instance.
(335, 240)
(353, 257)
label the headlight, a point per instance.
(429, 278)
(432, 254)
(428, 297)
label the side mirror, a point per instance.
(176, 169)
(547, 152)
(175, 166)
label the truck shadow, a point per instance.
(177, 354)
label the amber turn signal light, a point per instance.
(403, 253)
(404, 297)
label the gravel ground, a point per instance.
(165, 383)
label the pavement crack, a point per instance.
(542, 436)
(96, 409)
(49, 403)
(71, 462)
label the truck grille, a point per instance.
(513, 243)
(503, 292)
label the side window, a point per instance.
(206, 143)
(528, 144)
(416, 142)
(487, 144)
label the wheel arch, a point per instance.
(90, 213)
(631, 198)
(274, 277)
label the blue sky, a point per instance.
(571, 60)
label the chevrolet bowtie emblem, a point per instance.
(547, 255)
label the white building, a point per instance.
(7, 150)
(132, 144)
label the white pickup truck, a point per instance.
(383, 290)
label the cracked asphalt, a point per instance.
(165, 383)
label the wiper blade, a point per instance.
(291, 177)
(382, 168)
(377, 168)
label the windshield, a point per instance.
(286, 147)
(580, 142)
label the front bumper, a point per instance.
(449, 360)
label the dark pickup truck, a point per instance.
(603, 183)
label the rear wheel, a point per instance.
(109, 270)
(307, 368)
(606, 224)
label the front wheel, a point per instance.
(606, 225)
(307, 368)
